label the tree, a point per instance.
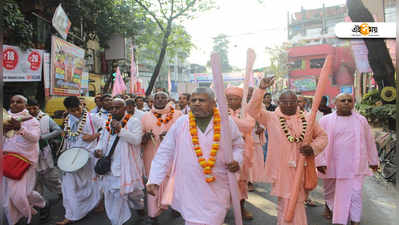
(165, 13)
(379, 59)
(278, 60)
(221, 46)
(18, 30)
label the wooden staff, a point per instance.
(299, 173)
(225, 140)
(251, 56)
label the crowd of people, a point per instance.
(151, 153)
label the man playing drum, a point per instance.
(123, 185)
(80, 192)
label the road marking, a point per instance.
(263, 204)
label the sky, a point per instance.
(253, 24)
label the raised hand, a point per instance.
(266, 82)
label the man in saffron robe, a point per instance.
(156, 124)
(345, 162)
(246, 125)
(19, 197)
(123, 185)
(286, 129)
(80, 191)
(199, 202)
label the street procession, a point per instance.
(213, 112)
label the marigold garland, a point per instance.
(82, 123)
(124, 121)
(168, 118)
(207, 165)
(291, 138)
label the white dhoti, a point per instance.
(118, 206)
(344, 198)
(80, 192)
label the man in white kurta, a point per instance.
(123, 186)
(347, 159)
(198, 202)
(80, 191)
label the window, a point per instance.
(316, 63)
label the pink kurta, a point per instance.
(196, 200)
(245, 124)
(19, 196)
(347, 157)
(149, 122)
(282, 156)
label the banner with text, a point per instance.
(67, 64)
(21, 65)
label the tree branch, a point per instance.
(189, 5)
(161, 9)
(172, 8)
(152, 14)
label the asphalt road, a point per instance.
(379, 208)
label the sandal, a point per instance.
(310, 203)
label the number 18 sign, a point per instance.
(22, 65)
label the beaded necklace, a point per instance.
(289, 136)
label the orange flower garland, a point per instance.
(168, 118)
(124, 121)
(207, 165)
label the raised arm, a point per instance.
(254, 108)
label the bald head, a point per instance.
(288, 103)
(18, 103)
(344, 103)
(118, 108)
(288, 94)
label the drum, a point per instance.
(73, 159)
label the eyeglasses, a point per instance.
(346, 100)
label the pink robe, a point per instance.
(245, 125)
(282, 156)
(347, 157)
(198, 202)
(19, 196)
(256, 172)
(149, 122)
